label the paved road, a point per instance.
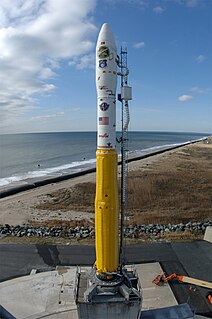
(193, 259)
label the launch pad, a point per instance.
(53, 294)
(117, 298)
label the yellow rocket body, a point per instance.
(106, 211)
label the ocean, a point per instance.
(40, 155)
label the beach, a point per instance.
(174, 186)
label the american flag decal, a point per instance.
(103, 120)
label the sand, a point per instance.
(51, 202)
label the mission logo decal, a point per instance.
(104, 52)
(102, 63)
(104, 106)
(104, 135)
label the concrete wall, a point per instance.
(208, 234)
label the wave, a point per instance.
(79, 165)
(58, 170)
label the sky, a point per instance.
(47, 63)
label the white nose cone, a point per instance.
(106, 82)
(106, 34)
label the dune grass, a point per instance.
(177, 188)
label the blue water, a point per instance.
(24, 156)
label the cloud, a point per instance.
(197, 89)
(35, 36)
(83, 62)
(190, 3)
(139, 45)
(200, 58)
(185, 98)
(158, 10)
(47, 116)
(142, 4)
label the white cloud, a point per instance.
(83, 62)
(200, 58)
(139, 45)
(47, 116)
(35, 35)
(185, 98)
(158, 10)
(190, 3)
(197, 89)
(142, 4)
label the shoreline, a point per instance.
(33, 183)
(171, 186)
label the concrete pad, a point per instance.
(154, 296)
(208, 234)
(51, 294)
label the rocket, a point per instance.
(106, 201)
(110, 290)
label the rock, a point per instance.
(132, 231)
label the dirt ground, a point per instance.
(175, 186)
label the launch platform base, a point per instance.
(95, 301)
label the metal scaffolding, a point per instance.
(125, 97)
